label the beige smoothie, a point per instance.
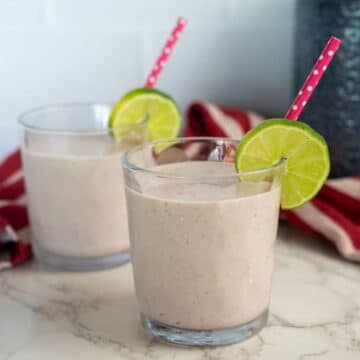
(203, 252)
(75, 195)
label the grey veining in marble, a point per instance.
(315, 312)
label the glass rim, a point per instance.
(127, 164)
(21, 120)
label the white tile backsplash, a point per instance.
(217, 66)
(260, 13)
(136, 14)
(232, 52)
(21, 12)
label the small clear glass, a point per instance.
(202, 240)
(74, 185)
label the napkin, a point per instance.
(13, 213)
(334, 213)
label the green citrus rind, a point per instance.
(157, 109)
(308, 160)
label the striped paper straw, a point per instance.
(313, 78)
(165, 53)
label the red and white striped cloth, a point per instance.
(334, 213)
(13, 213)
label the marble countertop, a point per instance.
(48, 314)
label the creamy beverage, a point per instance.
(74, 185)
(203, 251)
(76, 203)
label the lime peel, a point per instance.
(308, 160)
(164, 118)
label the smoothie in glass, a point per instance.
(74, 186)
(202, 241)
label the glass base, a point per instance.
(217, 337)
(80, 263)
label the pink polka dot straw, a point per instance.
(313, 78)
(165, 53)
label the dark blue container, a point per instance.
(334, 109)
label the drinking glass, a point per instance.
(74, 185)
(202, 239)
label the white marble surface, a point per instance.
(315, 312)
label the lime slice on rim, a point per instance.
(159, 110)
(308, 164)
